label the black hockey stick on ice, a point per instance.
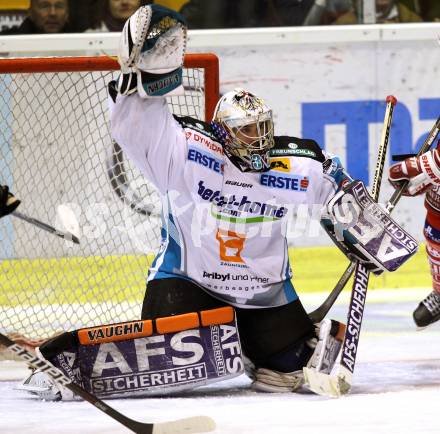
(65, 235)
(340, 384)
(319, 314)
(196, 424)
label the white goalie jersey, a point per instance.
(222, 228)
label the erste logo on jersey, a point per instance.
(285, 182)
(205, 159)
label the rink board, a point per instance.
(315, 269)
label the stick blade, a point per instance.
(333, 386)
(68, 219)
(196, 424)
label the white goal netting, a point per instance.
(57, 156)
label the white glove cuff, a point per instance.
(430, 168)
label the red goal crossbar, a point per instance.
(207, 61)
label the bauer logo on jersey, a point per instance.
(205, 159)
(285, 182)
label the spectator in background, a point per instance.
(326, 12)
(112, 14)
(44, 16)
(387, 11)
(430, 10)
(218, 14)
(283, 12)
(253, 13)
(81, 13)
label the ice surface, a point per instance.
(396, 391)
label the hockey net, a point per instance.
(57, 155)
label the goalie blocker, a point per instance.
(143, 358)
(365, 232)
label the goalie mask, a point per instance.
(244, 123)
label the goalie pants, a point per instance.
(266, 334)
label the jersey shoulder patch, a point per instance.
(196, 125)
(295, 147)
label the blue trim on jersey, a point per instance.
(171, 255)
(289, 291)
(338, 173)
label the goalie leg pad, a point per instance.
(151, 357)
(365, 232)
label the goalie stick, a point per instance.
(340, 384)
(65, 235)
(196, 424)
(319, 314)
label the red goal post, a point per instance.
(57, 155)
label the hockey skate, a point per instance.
(40, 384)
(325, 351)
(428, 311)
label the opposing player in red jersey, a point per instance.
(423, 174)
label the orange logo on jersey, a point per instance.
(231, 245)
(280, 164)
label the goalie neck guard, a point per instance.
(244, 123)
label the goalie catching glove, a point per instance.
(151, 52)
(422, 173)
(8, 202)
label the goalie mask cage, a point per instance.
(57, 156)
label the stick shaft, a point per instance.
(383, 146)
(319, 314)
(61, 379)
(46, 227)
